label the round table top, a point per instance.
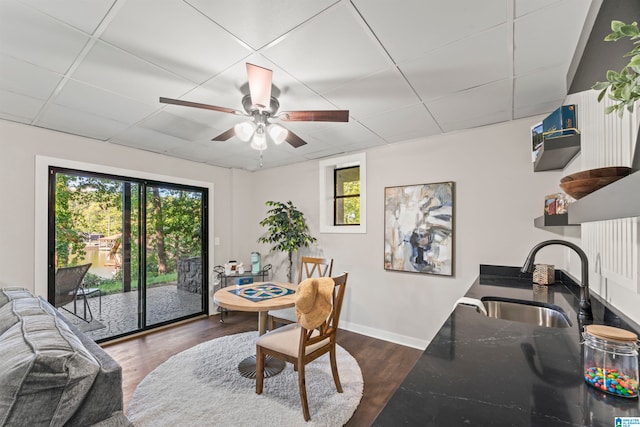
(224, 298)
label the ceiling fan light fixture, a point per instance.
(259, 141)
(277, 133)
(244, 130)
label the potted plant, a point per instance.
(287, 230)
(623, 87)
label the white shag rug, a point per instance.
(202, 387)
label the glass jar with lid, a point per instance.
(611, 360)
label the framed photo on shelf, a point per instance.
(418, 228)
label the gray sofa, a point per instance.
(50, 373)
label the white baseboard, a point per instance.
(384, 335)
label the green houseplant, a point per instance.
(623, 87)
(287, 230)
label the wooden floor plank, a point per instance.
(383, 364)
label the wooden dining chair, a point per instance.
(309, 267)
(295, 344)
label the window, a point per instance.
(346, 196)
(343, 194)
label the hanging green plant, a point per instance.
(623, 87)
(287, 230)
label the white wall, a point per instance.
(19, 147)
(497, 196)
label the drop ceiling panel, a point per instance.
(338, 49)
(148, 140)
(83, 97)
(119, 72)
(474, 61)
(538, 88)
(375, 93)
(408, 28)
(79, 123)
(179, 127)
(343, 134)
(258, 23)
(522, 7)
(548, 37)
(15, 104)
(322, 153)
(175, 37)
(405, 123)
(195, 151)
(37, 38)
(27, 79)
(536, 109)
(475, 107)
(82, 14)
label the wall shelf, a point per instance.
(546, 221)
(620, 199)
(556, 152)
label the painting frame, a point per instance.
(419, 228)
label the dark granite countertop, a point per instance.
(490, 372)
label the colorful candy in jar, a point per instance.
(611, 381)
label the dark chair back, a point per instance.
(68, 281)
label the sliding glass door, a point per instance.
(145, 243)
(173, 254)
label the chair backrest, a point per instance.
(68, 280)
(314, 267)
(329, 328)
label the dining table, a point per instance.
(260, 297)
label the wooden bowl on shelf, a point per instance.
(579, 188)
(619, 171)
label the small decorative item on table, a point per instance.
(544, 274)
(244, 281)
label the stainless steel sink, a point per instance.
(532, 312)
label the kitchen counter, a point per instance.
(482, 371)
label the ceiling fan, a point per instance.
(262, 107)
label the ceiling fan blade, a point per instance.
(315, 116)
(294, 140)
(259, 85)
(198, 105)
(225, 135)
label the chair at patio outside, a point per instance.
(69, 287)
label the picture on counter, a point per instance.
(418, 229)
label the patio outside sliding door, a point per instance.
(132, 232)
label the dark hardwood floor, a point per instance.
(384, 365)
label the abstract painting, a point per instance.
(418, 228)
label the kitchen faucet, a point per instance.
(585, 312)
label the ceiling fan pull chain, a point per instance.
(260, 158)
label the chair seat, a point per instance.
(88, 291)
(287, 340)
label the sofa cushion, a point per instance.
(9, 294)
(45, 370)
(10, 314)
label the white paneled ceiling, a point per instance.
(404, 69)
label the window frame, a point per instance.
(336, 197)
(41, 209)
(327, 188)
